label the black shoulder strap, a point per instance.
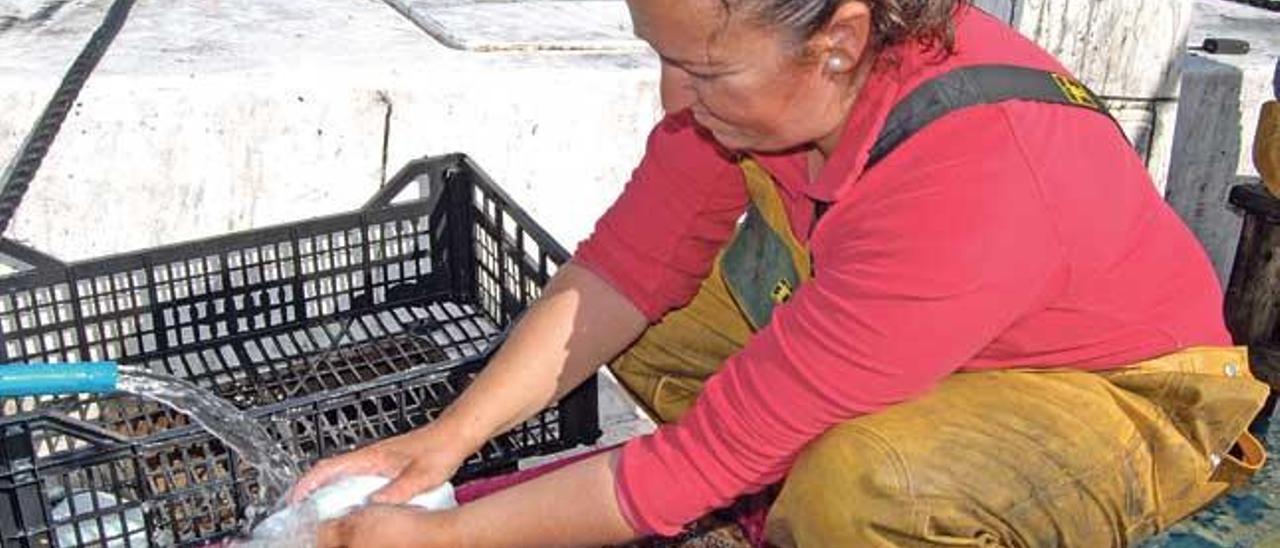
(971, 86)
(977, 85)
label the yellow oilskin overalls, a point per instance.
(1014, 457)
(1266, 146)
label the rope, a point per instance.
(22, 169)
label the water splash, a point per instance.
(276, 470)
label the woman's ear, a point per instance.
(843, 42)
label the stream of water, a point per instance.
(241, 434)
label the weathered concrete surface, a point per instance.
(1121, 48)
(1217, 119)
(240, 113)
(553, 25)
(208, 117)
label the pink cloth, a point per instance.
(484, 487)
(1012, 235)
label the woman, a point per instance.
(956, 311)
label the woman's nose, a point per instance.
(677, 93)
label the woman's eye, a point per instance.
(695, 74)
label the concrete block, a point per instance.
(1205, 161)
(1217, 118)
(1261, 28)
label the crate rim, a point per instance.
(522, 217)
(209, 243)
(379, 204)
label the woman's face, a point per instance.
(752, 87)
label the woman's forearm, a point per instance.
(573, 506)
(579, 323)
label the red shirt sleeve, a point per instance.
(930, 257)
(656, 243)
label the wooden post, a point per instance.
(1253, 294)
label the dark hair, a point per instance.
(893, 22)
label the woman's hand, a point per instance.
(416, 462)
(387, 526)
(573, 506)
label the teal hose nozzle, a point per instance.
(41, 379)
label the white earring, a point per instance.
(837, 63)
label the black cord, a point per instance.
(22, 169)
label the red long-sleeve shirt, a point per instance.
(1019, 234)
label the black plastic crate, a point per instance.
(333, 332)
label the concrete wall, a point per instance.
(209, 117)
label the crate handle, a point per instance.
(22, 257)
(437, 169)
(69, 426)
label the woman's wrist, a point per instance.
(454, 435)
